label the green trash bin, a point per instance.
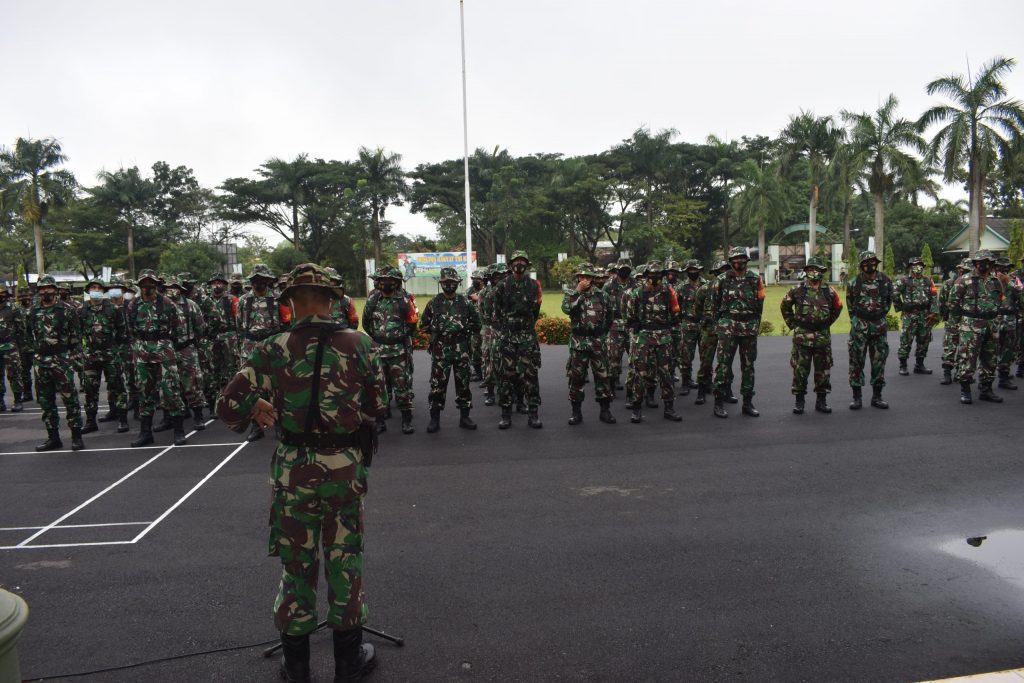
(13, 615)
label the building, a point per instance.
(995, 237)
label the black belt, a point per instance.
(185, 345)
(982, 316)
(152, 336)
(656, 326)
(319, 441)
(742, 317)
(868, 315)
(590, 333)
(914, 308)
(56, 349)
(813, 326)
(259, 336)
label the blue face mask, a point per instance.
(94, 295)
(115, 293)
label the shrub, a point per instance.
(553, 330)
(893, 321)
(767, 329)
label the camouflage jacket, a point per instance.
(26, 338)
(104, 328)
(450, 322)
(617, 292)
(343, 312)
(475, 295)
(390, 321)
(221, 315)
(487, 306)
(868, 302)
(152, 327)
(652, 314)
(516, 308)
(12, 328)
(1011, 300)
(55, 333)
(689, 314)
(351, 390)
(191, 323)
(976, 297)
(914, 295)
(702, 307)
(810, 312)
(947, 288)
(737, 303)
(258, 316)
(590, 314)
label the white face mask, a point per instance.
(128, 296)
(115, 293)
(95, 296)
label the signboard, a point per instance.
(429, 264)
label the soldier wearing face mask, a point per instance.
(977, 298)
(652, 310)
(476, 289)
(258, 318)
(590, 316)
(689, 325)
(737, 302)
(951, 336)
(618, 335)
(868, 299)
(220, 310)
(1008, 313)
(390, 318)
(191, 329)
(12, 338)
(517, 304)
(105, 333)
(708, 344)
(497, 273)
(915, 298)
(27, 352)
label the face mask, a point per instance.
(869, 268)
(95, 296)
(236, 290)
(982, 266)
(115, 293)
(917, 270)
(218, 291)
(148, 291)
(259, 289)
(48, 298)
(655, 281)
(519, 268)
(387, 287)
(187, 290)
(449, 287)
(624, 273)
(128, 296)
(739, 266)
(692, 275)
(671, 277)
(815, 275)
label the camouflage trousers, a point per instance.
(487, 355)
(190, 374)
(576, 370)
(10, 365)
(398, 377)
(688, 342)
(27, 358)
(476, 350)
(210, 389)
(450, 360)
(518, 363)
(649, 365)
(802, 358)
(1007, 344)
(617, 345)
(727, 347)
(159, 383)
(914, 327)
(314, 504)
(977, 348)
(949, 342)
(861, 346)
(97, 365)
(52, 379)
(706, 348)
(223, 360)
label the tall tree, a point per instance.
(723, 168)
(761, 201)
(845, 175)
(815, 139)
(130, 196)
(979, 126)
(383, 181)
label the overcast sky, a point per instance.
(222, 86)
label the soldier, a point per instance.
(809, 309)
(152, 326)
(221, 315)
(618, 335)
(191, 329)
(27, 353)
(516, 308)
(258, 318)
(652, 310)
(590, 315)
(737, 302)
(689, 324)
(868, 299)
(476, 289)
(708, 344)
(450, 320)
(977, 297)
(343, 310)
(320, 468)
(12, 338)
(488, 336)
(53, 328)
(1008, 312)
(104, 332)
(914, 297)
(950, 337)
(1019, 275)
(236, 287)
(390, 318)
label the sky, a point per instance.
(223, 85)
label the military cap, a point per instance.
(738, 252)
(868, 256)
(500, 269)
(478, 274)
(625, 263)
(964, 264)
(310, 275)
(449, 275)
(654, 268)
(815, 262)
(519, 254)
(694, 263)
(588, 270)
(915, 261)
(148, 274)
(672, 265)
(611, 267)
(217, 277)
(261, 270)
(46, 281)
(641, 270)
(186, 278)
(95, 281)
(722, 265)
(983, 255)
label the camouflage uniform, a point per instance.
(868, 300)
(12, 338)
(105, 333)
(516, 308)
(618, 336)
(319, 470)
(474, 293)
(191, 330)
(737, 302)
(590, 314)
(652, 311)
(390, 320)
(27, 352)
(489, 333)
(689, 324)
(977, 298)
(708, 344)
(258, 314)
(915, 298)
(221, 315)
(952, 323)
(343, 310)
(1019, 276)
(1008, 314)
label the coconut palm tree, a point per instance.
(845, 179)
(761, 201)
(883, 139)
(813, 138)
(979, 126)
(129, 195)
(33, 179)
(384, 183)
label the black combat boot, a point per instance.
(798, 404)
(3, 406)
(637, 416)
(606, 413)
(670, 412)
(619, 387)
(90, 425)
(166, 424)
(947, 376)
(111, 415)
(18, 407)
(986, 394)
(52, 442)
(122, 421)
(920, 369)
(489, 396)
(876, 397)
(903, 367)
(821, 405)
(435, 420)
(76, 440)
(965, 393)
(465, 421)
(649, 398)
(1020, 373)
(702, 394)
(856, 403)
(295, 658)
(145, 436)
(179, 430)
(26, 395)
(506, 418)
(198, 421)
(407, 427)
(533, 419)
(255, 432)
(478, 374)
(353, 659)
(1004, 381)
(729, 396)
(382, 426)
(748, 407)
(720, 408)
(685, 389)
(387, 412)
(577, 412)
(691, 383)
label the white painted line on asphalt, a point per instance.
(126, 448)
(62, 545)
(993, 677)
(195, 488)
(74, 526)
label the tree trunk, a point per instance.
(977, 211)
(295, 226)
(375, 236)
(37, 230)
(761, 256)
(812, 222)
(846, 232)
(131, 250)
(879, 226)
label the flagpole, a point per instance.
(465, 146)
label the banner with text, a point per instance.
(429, 264)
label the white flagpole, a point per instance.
(465, 145)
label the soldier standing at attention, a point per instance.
(1008, 312)
(498, 271)
(951, 335)
(27, 352)
(868, 299)
(737, 301)
(450, 320)
(105, 333)
(809, 309)
(390, 318)
(258, 318)
(976, 298)
(708, 344)
(56, 338)
(652, 310)
(689, 324)
(476, 289)
(320, 468)
(516, 308)
(914, 297)
(1019, 274)
(618, 335)
(12, 338)
(590, 315)
(191, 329)
(221, 314)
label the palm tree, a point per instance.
(981, 125)
(33, 179)
(814, 139)
(845, 178)
(127, 193)
(384, 182)
(883, 139)
(761, 201)
(723, 167)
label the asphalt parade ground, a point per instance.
(793, 548)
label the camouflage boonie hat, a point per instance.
(95, 281)
(815, 262)
(115, 282)
(965, 264)
(738, 252)
(310, 275)
(217, 277)
(867, 256)
(448, 275)
(148, 274)
(625, 263)
(694, 263)
(611, 267)
(1003, 261)
(915, 261)
(983, 255)
(46, 281)
(587, 269)
(261, 270)
(672, 265)
(722, 265)
(186, 278)
(641, 270)
(479, 274)
(335, 276)
(500, 269)
(654, 268)
(235, 279)
(519, 254)
(172, 281)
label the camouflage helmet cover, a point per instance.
(449, 274)
(738, 252)
(694, 263)
(310, 275)
(520, 254)
(46, 281)
(866, 256)
(261, 270)
(816, 263)
(983, 255)
(148, 274)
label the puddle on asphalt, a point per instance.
(1000, 552)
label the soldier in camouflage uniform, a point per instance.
(1008, 313)
(618, 335)
(652, 310)
(476, 289)
(258, 318)
(708, 344)
(221, 315)
(236, 287)
(868, 299)
(950, 337)
(343, 310)
(915, 298)
(809, 309)
(55, 334)
(105, 333)
(689, 324)
(319, 471)
(152, 326)
(977, 298)
(27, 352)
(390, 318)
(12, 338)
(489, 334)
(1019, 275)
(450, 320)
(191, 329)
(737, 302)
(590, 315)
(516, 308)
